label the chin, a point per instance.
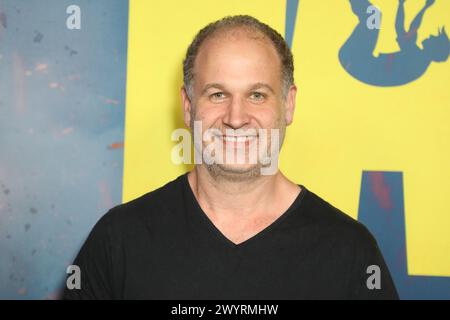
(235, 172)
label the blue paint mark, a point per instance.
(387, 224)
(291, 14)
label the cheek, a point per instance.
(269, 118)
(208, 115)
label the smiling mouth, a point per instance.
(237, 139)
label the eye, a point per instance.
(257, 96)
(217, 96)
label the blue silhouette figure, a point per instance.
(396, 68)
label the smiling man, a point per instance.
(228, 229)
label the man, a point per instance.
(225, 230)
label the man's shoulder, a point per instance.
(328, 219)
(161, 200)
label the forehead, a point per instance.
(237, 55)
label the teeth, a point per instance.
(238, 139)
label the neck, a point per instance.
(240, 197)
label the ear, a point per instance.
(290, 104)
(187, 107)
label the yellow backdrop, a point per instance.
(341, 125)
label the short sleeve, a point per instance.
(370, 278)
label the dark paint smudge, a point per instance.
(3, 20)
(71, 51)
(38, 37)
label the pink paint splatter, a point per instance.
(56, 85)
(111, 101)
(55, 295)
(22, 291)
(105, 195)
(41, 67)
(67, 130)
(75, 76)
(19, 84)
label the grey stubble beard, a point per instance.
(222, 172)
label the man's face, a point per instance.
(237, 87)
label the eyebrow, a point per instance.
(220, 86)
(259, 85)
(212, 85)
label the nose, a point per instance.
(236, 116)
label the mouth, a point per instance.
(238, 139)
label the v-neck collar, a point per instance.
(204, 219)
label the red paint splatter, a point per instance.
(381, 190)
(116, 145)
(389, 62)
(411, 34)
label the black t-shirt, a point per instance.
(163, 246)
